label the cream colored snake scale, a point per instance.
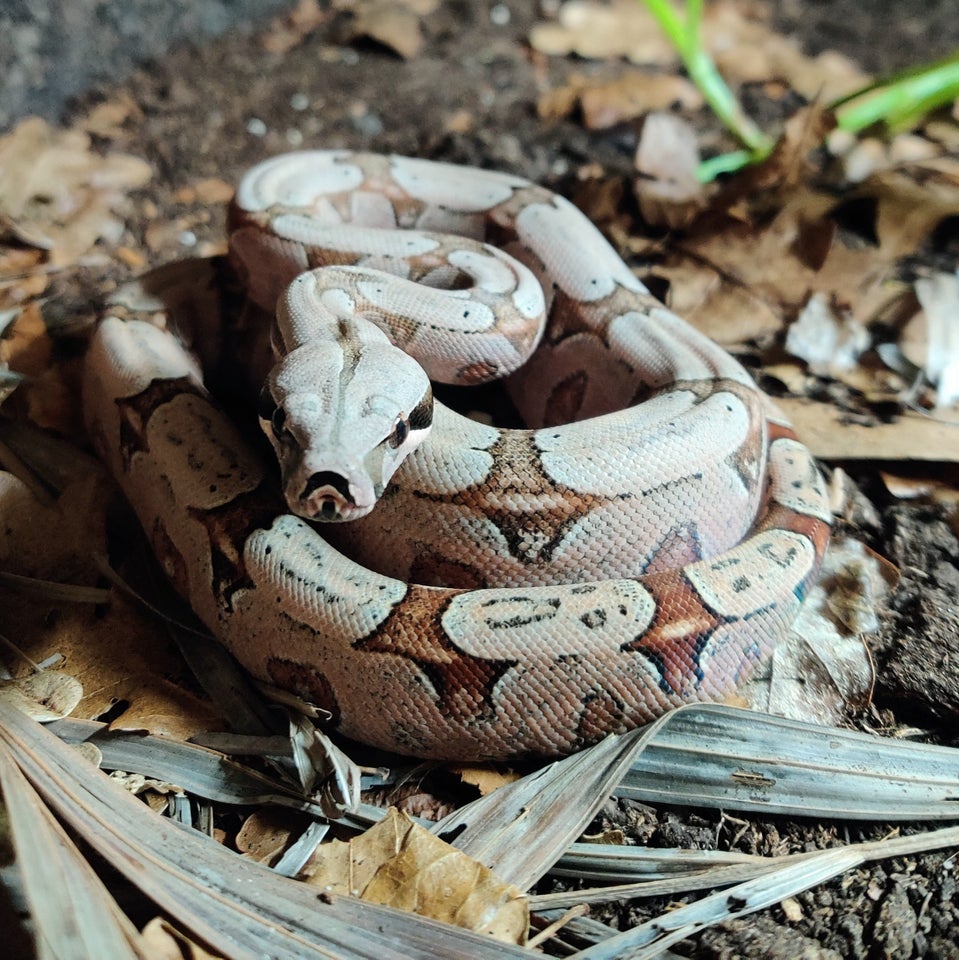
(644, 544)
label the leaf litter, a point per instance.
(809, 265)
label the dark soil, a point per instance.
(213, 110)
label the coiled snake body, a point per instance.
(643, 545)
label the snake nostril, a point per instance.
(326, 478)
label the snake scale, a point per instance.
(644, 543)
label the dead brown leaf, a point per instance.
(560, 102)
(787, 167)
(935, 485)
(634, 94)
(459, 121)
(667, 189)
(53, 540)
(123, 659)
(134, 259)
(730, 313)
(44, 695)
(209, 191)
(107, 119)
(832, 434)
(826, 338)
(735, 32)
(25, 346)
(410, 798)
(400, 864)
(823, 669)
(17, 262)
(160, 940)
(748, 50)
(606, 103)
(287, 32)
(485, 778)
(51, 400)
(394, 24)
(48, 396)
(911, 200)
(596, 31)
(782, 258)
(931, 339)
(266, 833)
(57, 194)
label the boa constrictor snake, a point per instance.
(644, 544)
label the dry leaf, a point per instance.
(485, 778)
(832, 434)
(823, 670)
(862, 158)
(230, 900)
(667, 188)
(939, 322)
(106, 119)
(634, 94)
(730, 313)
(65, 899)
(287, 32)
(911, 202)
(266, 833)
(48, 395)
(138, 784)
(400, 864)
(53, 540)
(394, 24)
(51, 400)
(745, 47)
(594, 31)
(23, 276)
(783, 258)
(44, 695)
(134, 259)
(606, 103)
(57, 194)
(787, 168)
(160, 940)
(123, 658)
(601, 199)
(828, 340)
(560, 102)
(459, 121)
(209, 191)
(933, 487)
(25, 346)
(323, 767)
(159, 706)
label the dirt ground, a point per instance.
(469, 97)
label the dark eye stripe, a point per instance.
(265, 404)
(401, 431)
(278, 421)
(421, 416)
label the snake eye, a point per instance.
(401, 430)
(278, 422)
(265, 404)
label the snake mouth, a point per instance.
(328, 497)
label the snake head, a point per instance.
(341, 422)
